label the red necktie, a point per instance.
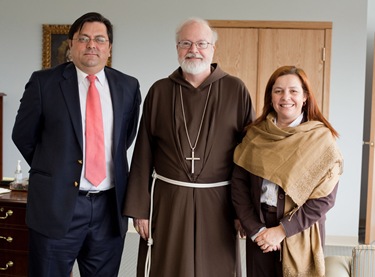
(95, 170)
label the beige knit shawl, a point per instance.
(306, 163)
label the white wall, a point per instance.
(144, 47)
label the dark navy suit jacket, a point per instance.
(48, 133)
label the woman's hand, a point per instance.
(270, 239)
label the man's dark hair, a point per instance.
(91, 17)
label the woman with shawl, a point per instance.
(285, 180)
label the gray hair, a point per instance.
(199, 21)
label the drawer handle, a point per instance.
(8, 213)
(9, 264)
(8, 239)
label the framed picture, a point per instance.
(56, 45)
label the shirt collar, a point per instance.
(295, 123)
(82, 76)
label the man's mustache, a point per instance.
(193, 55)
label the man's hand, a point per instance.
(241, 232)
(141, 226)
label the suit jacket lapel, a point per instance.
(117, 105)
(69, 88)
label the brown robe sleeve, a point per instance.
(246, 199)
(137, 199)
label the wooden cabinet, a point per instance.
(253, 50)
(13, 234)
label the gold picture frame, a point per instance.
(56, 45)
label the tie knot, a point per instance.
(91, 78)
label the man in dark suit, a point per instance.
(69, 217)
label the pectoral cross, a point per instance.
(192, 159)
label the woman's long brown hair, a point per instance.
(311, 108)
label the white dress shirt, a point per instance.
(107, 113)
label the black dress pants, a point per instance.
(93, 240)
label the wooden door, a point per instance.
(370, 206)
(236, 53)
(252, 50)
(302, 48)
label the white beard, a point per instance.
(193, 67)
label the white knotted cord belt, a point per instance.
(155, 176)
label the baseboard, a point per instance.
(342, 240)
(330, 240)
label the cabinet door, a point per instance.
(302, 48)
(236, 53)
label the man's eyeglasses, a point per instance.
(86, 39)
(186, 44)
